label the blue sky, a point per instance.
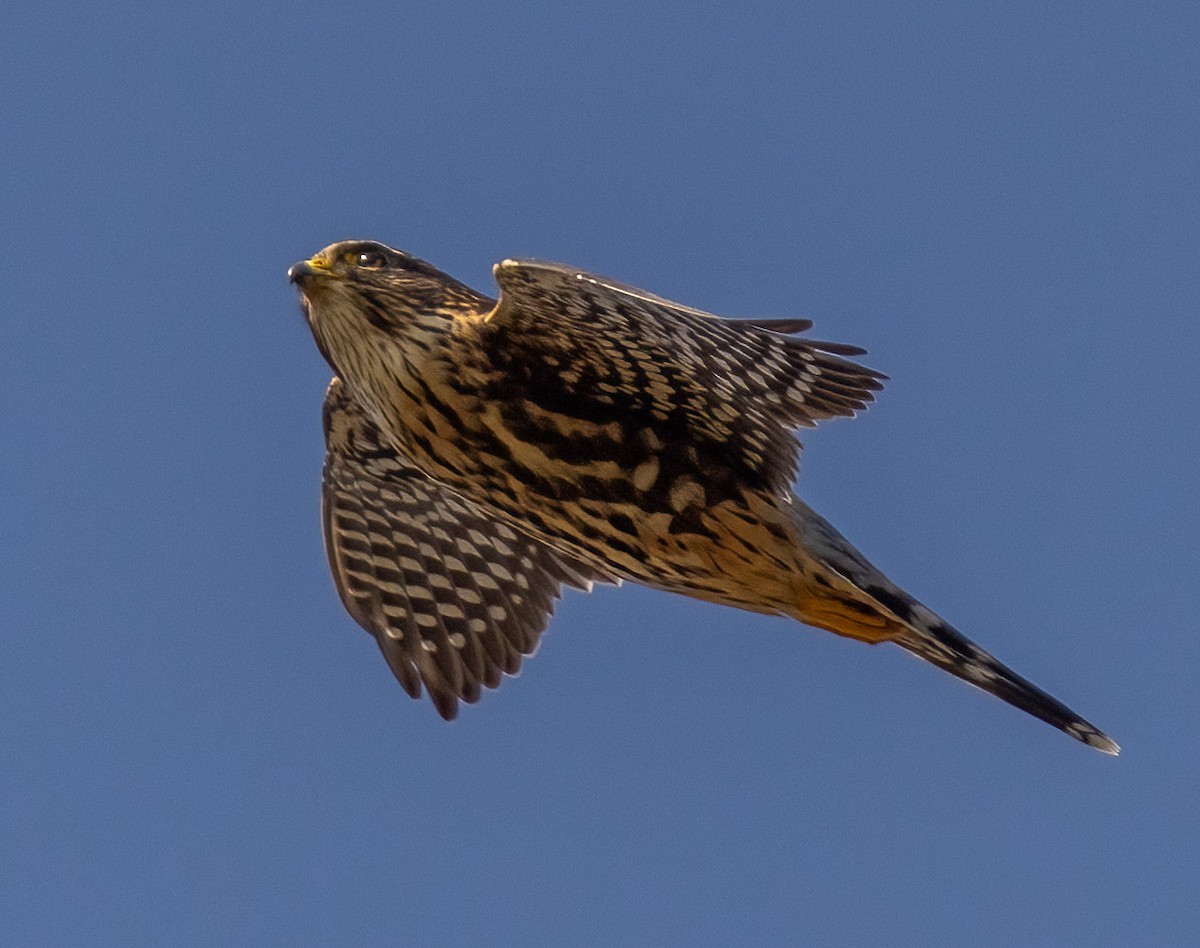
(999, 201)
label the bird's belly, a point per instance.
(638, 516)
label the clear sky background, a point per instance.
(999, 201)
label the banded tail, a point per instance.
(849, 596)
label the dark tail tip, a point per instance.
(950, 650)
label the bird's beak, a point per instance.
(301, 273)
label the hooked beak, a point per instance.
(302, 273)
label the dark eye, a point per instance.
(371, 259)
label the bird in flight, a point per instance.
(483, 453)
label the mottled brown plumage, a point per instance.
(454, 598)
(481, 453)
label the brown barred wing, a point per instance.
(741, 385)
(453, 597)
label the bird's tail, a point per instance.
(849, 596)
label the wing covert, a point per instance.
(743, 384)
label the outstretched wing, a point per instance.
(453, 597)
(736, 386)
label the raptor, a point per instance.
(483, 453)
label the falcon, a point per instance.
(482, 454)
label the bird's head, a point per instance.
(355, 291)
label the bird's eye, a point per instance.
(371, 259)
